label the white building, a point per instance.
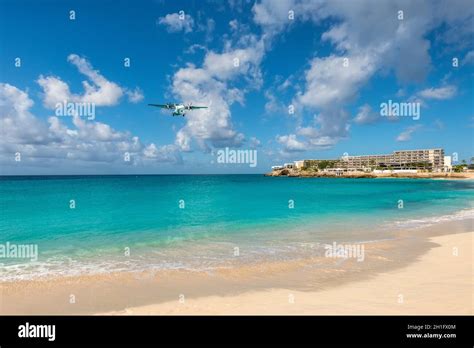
(448, 166)
(299, 164)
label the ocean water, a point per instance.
(202, 222)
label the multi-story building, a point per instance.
(429, 159)
(433, 158)
(365, 162)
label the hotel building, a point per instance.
(431, 159)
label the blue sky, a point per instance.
(333, 62)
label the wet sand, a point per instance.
(416, 273)
(439, 283)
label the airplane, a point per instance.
(178, 109)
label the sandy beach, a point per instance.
(438, 283)
(423, 271)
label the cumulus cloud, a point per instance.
(366, 115)
(165, 153)
(51, 141)
(334, 80)
(212, 85)
(372, 38)
(291, 143)
(441, 93)
(97, 90)
(17, 123)
(176, 22)
(135, 96)
(240, 61)
(274, 16)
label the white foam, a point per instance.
(432, 220)
(202, 256)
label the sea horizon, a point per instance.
(158, 174)
(241, 157)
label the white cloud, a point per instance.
(446, 92)
(254, 142)
(209, 127)
(240, 61)
(329, 82)
(194, 47)
(372, 38)
(212, 85)
(273, 104)
(323, 142)
(208, 29)
(175, 22)
(364, 26)
(98, 90)
(407, 133)
(234, 24)
(42, 143)
(165, 153)
(17, 123)
(366, 115)
(274, 16)
(468, 58)
(55, 91)
(135, 96)
(290, 143)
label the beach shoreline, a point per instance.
(392, 269)
(407, 291)
(299, 173)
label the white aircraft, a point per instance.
(178, 109)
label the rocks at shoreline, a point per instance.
(296, 173)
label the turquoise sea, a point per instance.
(201, 222)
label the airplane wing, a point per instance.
(164, 106)
(197, 107)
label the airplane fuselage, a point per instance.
(179, 110)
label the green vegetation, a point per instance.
(458, 168)
(323, 165)
(327, 164)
